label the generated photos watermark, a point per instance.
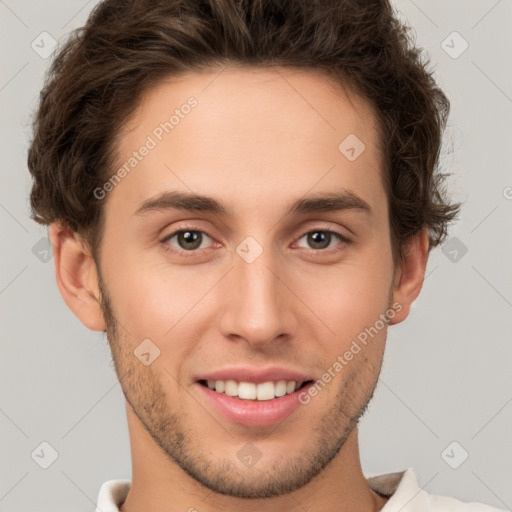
(152, 141)
(363, 338)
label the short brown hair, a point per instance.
(99, 76)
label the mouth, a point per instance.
(253, 404)
(262, 391)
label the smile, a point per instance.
(240, 402)
(252, 391)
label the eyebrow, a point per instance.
(321, 202)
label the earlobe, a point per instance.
(77, 278)
(410, 275)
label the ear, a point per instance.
(77, 276)
(410, 274)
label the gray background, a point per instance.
(446, 374)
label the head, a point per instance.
(285, 121)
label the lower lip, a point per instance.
(254, 413)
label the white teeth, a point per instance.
(230, 388)
(265, 391)
(280, 388)
(251, 391)
(247, 390)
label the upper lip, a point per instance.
(251, 374)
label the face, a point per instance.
(244, 287)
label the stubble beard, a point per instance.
(148, 400)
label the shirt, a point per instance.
(402, 488)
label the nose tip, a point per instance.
(258, 307)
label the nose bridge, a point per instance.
(258, 308)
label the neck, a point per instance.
(159, 484)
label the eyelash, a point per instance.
(191, 253)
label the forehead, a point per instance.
(257, 135)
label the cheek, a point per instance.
(349, 299)
(154, 300)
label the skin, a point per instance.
(257, 141)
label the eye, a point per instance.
(191, 240)
(321, 239)
(186, 240)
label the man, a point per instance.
(243, 196)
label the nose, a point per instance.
(259, 307)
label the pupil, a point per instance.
(319, 238)
(190, 237)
